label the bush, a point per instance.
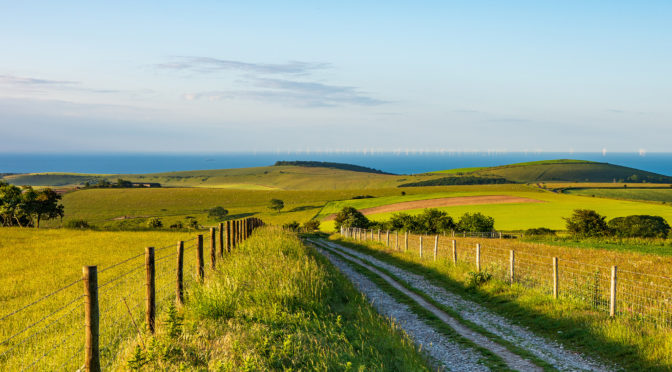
(539, 231)
(217, 213)
(403, 222)
(639, 226)
(177, 225)
(350, 217)
(311, 225)
(293, 226)
(476, 222)
(76, 224)
(363, 197)
(191, 222)
(154, 223)
(586, 223)
(476, 279)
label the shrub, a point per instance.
(191, 222)
(217, 213)
(154, 223)
(76, 224)
(639, 226)
(586, 223)
(539, 231)
(476, 222)
(177, 225)
(403, 222)
(294, 226)
(363, 197)
(311, 225)
(350, 217)
(476, 279)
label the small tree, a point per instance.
(586, 223)
(476, 222)
(276, 205)
(191, 222)
(293, 226)
(40, 205)
(403, 222)
(350, 217)
(311, 225)
(217, 213)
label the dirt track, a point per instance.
(444, 202)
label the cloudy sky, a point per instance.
(204, 76)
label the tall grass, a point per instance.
(275, 305)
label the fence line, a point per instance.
(117, 292)
(608, 289)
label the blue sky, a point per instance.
(350, 75)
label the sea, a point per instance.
(392, 162)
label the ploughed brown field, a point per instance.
(444, 202)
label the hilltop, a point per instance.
(563, 170)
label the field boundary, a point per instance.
(118, 301)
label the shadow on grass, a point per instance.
(573, 332)
(304, 208)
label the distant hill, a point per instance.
(324, 164)
(566, 170)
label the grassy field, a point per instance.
(577, 319)
(37, 262)
(276, 305)
(517, 216)
(653, 195)
(257, 178)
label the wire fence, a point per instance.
(603, 288)
(51, 333)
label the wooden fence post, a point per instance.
(420, 246)
(454, 252)
(213, 248)
(478, 257)
(179, 290)
(387, 238)
(436, 246)
(221, 239)
(555, 278)
(91, 318)
(396, 240)
(378, 235)
(228, 236)
(150, 281)
(371, 234)
(612, 297)
(406, 242)
(512, 266)
(199, 251)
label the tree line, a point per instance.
(26, 207)
(430, 221)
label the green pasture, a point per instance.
(517, 216)
(653, 195)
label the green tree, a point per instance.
(312, 225)
(217, 213)
(10, 202)
(40, 205)
(476, 222)
(434, 221)
(586, 223)
(276, 205)
(403, 221)
(350, 217)
(639, 226)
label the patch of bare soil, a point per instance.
(444, 202)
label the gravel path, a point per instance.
(451, 355)
(547, 350)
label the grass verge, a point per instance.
(631, 344)
(274, 304)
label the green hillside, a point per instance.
(566, 170)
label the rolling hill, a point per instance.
(565, 170)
